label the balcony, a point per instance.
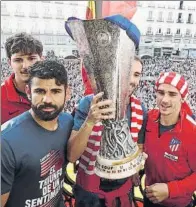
(179, 21)
(181, 7)
(34, 15)
(48, 32)
(59, 16)
(161, 6)
(160, 20)
(178, 35)
(35, 32)
(159, 34)
(170, 20)
(19, 14)
(47, 15)
(150, 20)
(187, 35)
(151, 5)
(192, 8)
(149, 33)
(5, 12)
(190, 22)
(169, 34)
(171, 7)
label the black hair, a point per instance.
(24, 43)
(48, 69)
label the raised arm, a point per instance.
(97, 112)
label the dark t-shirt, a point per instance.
(79, 117)
(33, 161)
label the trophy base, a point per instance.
(117, 169)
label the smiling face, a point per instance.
(169, 100)
(47, 98)
(20, 63)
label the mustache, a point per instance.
(24, 71)
(44, 106)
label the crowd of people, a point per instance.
(151, 70)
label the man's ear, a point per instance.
(42, 58)
(28, 91)
(68, 93)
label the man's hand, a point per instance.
(157, 192)
(100, 110)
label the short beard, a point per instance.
(44, 115)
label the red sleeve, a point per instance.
(87, 85)
(188, 184)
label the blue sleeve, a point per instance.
(81, 111)
(141, 135)
(7, 167)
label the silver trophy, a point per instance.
(108, 53)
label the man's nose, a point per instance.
(47, 98)
(165, 98)
(26, 64)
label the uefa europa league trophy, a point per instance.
(108, 51)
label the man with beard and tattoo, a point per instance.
(22, 51)
(34, 144)
(97, 191)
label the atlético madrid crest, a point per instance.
(174, 144)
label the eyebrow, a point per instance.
(53, 89)
(170, 92)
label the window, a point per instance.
(181, 5)
(20, 27)
(61, 40)
(35, 28)
(149, 30)
(168, 31)
(150, 15)
(170, 14)
(151, 4)
(189, 18)
(159, 31)
(179, 18)
(48, 28)
(33, 11)
(59, 13)
(160, 16)
(18, 11)
(4, 11)
(178, 31)
(188, 32)
(47, 12)
(49, 40)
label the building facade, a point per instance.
(167, 28)
(43, 19)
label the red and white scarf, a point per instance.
(88, 158)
